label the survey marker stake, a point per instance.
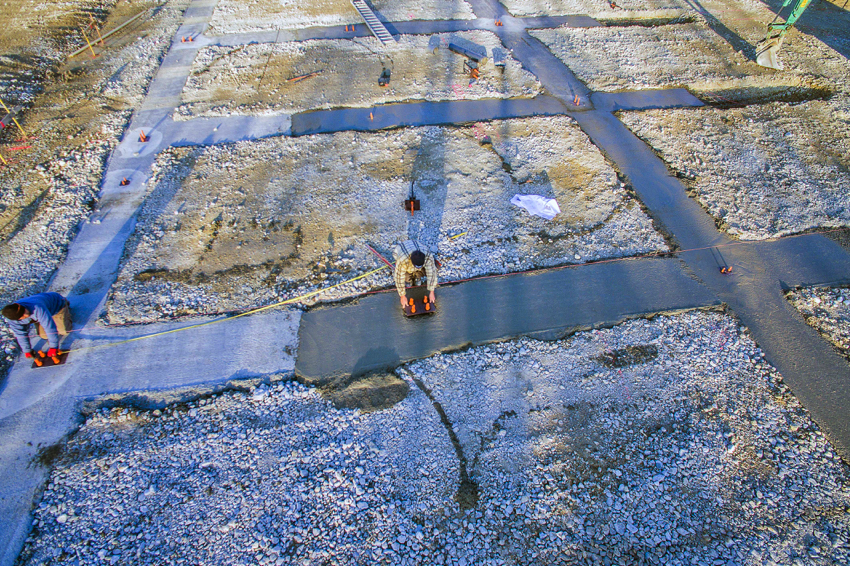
(93, 54)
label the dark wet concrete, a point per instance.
(422, 114)
(372, 334)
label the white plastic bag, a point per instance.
(537, 205)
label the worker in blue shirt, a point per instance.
(51, 313)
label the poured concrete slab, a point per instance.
(372, 334)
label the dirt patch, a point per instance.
(628, 356)
(299, 76)
(368, 393)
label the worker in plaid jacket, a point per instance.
(413, 261)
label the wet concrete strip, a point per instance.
(558, 80)
(371, 334)
(186, 354)
(422, 114)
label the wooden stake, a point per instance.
(94, 25)
(93, 54)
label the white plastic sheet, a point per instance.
(540, 206)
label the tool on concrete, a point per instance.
(418, 302)
(722, 265)
(42, 360)
(372, 22)
(412, 203)
(767, 50)
(468, 49)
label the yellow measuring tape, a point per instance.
(246, 313)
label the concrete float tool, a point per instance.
(42, 360)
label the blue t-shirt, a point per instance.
(41, 307)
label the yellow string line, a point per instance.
(254, 311)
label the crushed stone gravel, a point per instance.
(664, 441)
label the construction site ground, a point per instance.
(600, 392)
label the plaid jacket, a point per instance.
(405, 270)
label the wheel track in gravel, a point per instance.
(602, 294)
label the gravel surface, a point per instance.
(235, 226)
(55, 178)
(827, 310)
(239, 16)
(667, 441)
(255, 79)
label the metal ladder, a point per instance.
(372, 21)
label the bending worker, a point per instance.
(413, 261)
(51, 313)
